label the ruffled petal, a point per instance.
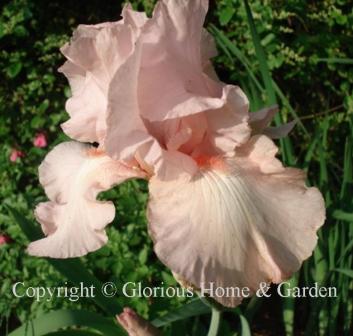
(208, 47)
(221, 130)
(126, 133)
(228, 126)
(167, 165)
(208, 51)
(72, 175)
(174, 165)
(173, 63)
(237, 223)
(129, 136)
(94, 54)
(168, 53)
(182, 134)
(133, 18)
(86, 106)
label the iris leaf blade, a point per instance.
(58, 319)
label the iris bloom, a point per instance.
(222, 208)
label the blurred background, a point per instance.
(296, 53)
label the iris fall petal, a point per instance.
(73, 174)
(236, 223)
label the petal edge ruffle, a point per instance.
(239, 223)
(73, 174)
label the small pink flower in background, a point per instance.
(16, 154)
(5, 239)
(135, 325)
(40, 141)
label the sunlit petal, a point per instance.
(228, 126)
(93, 56)
(236, 223)
(126, 132)
(72, 175)
(173, 63)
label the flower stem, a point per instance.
(215, 321)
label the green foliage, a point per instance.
(296, 36)
(298, 53)
(65, 318)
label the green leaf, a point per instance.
(215, 322)
(2, 30)
(285, 143)
(14, 69)
(37, 122)
(335, 60)
(265, 72)
(268, 39)
(224, 42)
(347, 168)
(342, 215)
(289, 307)
(228, 46)
(345, 271)
(73, 333)
(66, 318)
(226, 15)
(311, 149)
(252, 307)
(143, 255)
(291, 110)
(346, 251)
(193, 308)
(245, 328)
(43, 106)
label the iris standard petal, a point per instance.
(133, 18)
(236, 223)
(228, 126)
(126, 132)
(72, 175)
(93, 56)
(173, 63)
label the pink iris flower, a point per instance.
(40, 140)
(15, 154)
(222, 208)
